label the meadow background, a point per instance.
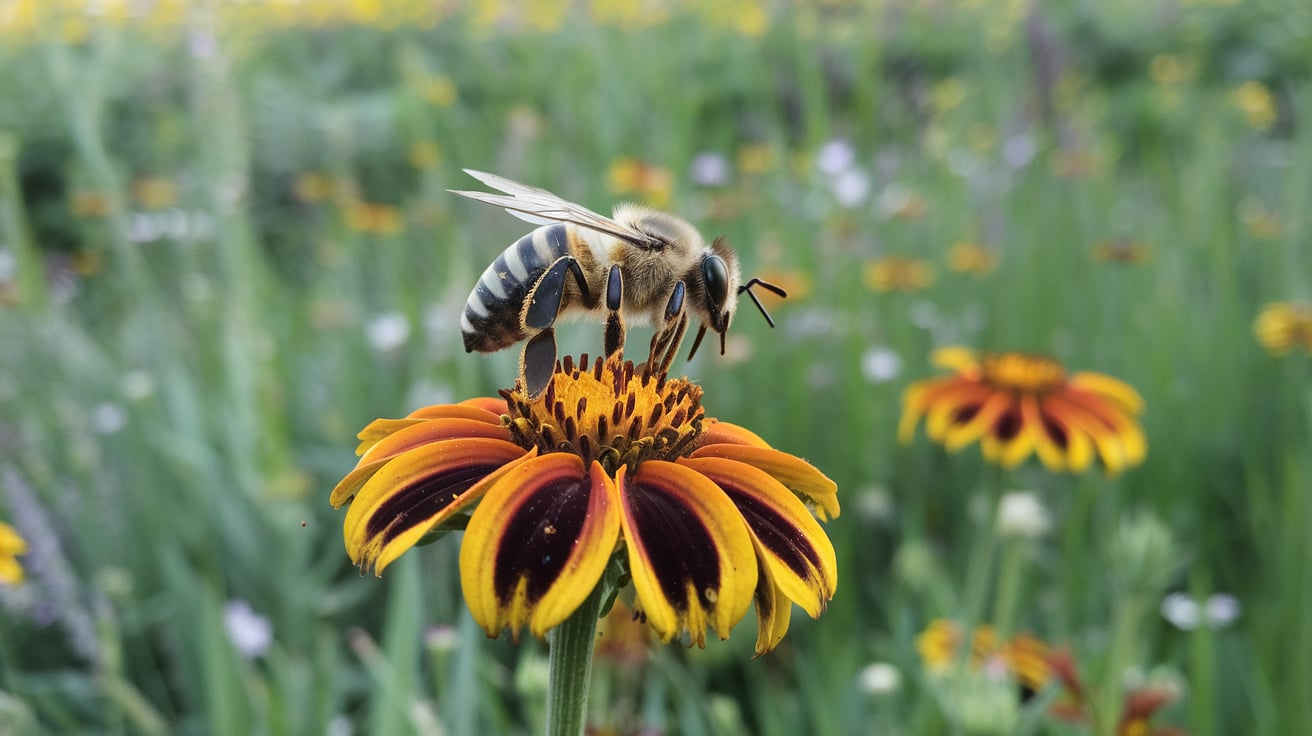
(226, 245)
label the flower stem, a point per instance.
(983, 552)
(570, 664)
(1010, 574)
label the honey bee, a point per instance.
(639, 265)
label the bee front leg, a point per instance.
(614, 338)
(665, 343)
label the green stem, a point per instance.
(1010, 574)
(570, 663)
(1120, 654)
(984, 550)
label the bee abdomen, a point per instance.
(491, 319)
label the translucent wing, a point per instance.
(539, 206)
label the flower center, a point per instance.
(1024, 373)
(608, 411)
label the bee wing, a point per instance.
(539, 206)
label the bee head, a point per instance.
(719, 280)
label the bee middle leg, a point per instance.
(614, 337)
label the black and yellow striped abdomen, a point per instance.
(491, 320)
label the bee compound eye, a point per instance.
(716, 277)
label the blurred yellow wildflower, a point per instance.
(898, 273)
(438, 91)
(1257, 104)
(627, 14)
(1259, 221)
(88, 203)
(425, 155)
(751, 19)
(982, 137)
(11, 546)
(1121, 250)
(1283, 326)
(754, 158)
(972, 258)
(370, 217)
(88, 262)
(313, 186)
(653, 184)
(948, 94)
(155, 192)
(1169, 69)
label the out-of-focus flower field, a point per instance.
(226, 245)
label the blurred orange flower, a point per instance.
(898, 273)
(1016, 405)
(1023, 657)
(654, 184)
(378, 219)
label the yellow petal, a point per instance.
(948, 406)
(799, 476)
(717, 432)
(1111, 388)
(417, 491)
(538, 544)
(380, 428)
(774, 610)
(407, 438)
(958, 435)
(800, 555)
(956, 358)
(690, 552)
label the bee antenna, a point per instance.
(697, 342)
(773, 288)
(747, 287)
(722, 343)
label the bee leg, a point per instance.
(543, 303)
(538, 362)
(671, 347)
(665, 343)
(614, 338)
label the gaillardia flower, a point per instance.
(1283, 326)
(1015, 404)
(609, 461)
